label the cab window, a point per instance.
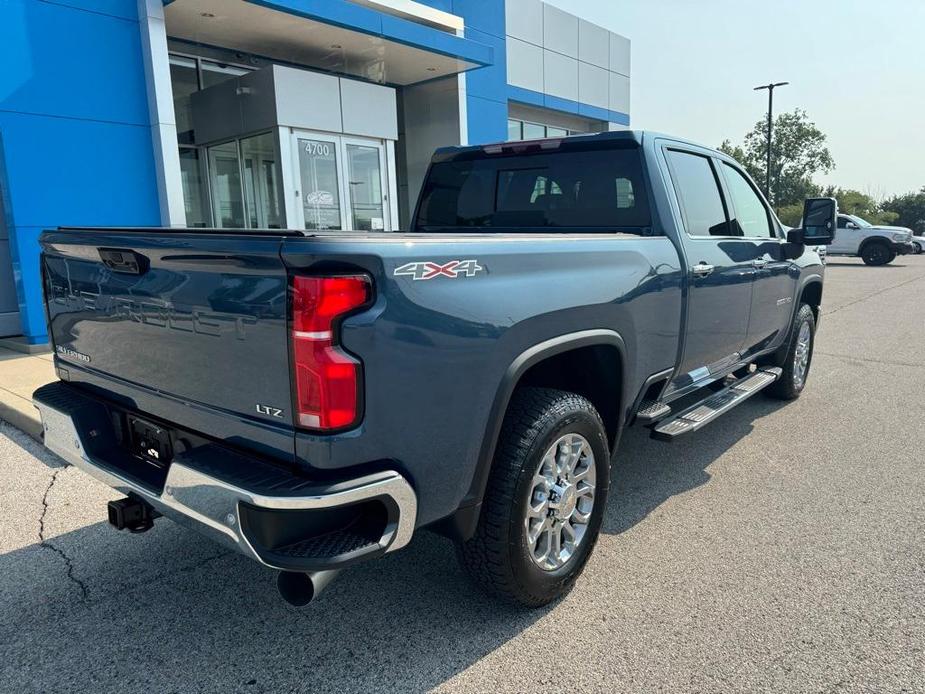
(751, 216)
(698, 192)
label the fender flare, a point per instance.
(814, 278)
(512, 375)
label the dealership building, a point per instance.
(263, 114)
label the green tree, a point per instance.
(909, 210)
(798, 153)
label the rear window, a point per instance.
(600, 189)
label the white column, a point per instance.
(162, 120)
(463, 101)
(392, 188)
(288, 179)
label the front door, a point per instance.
(847, 237)
(720, 272)
(775, 276)
(342, 182)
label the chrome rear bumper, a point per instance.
(225, 507)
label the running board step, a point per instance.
(708, 409)
(652, 411)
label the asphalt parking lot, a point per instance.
(780, 549)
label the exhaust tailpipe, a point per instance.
(299, 589)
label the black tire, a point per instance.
(497, 557)
(788, 386)
(877, 253)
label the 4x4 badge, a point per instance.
(428, 270)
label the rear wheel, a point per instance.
(798, 358)
(545, 498)
(877, 253)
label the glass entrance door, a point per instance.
(342, 182)
(319, 177)
(366, 185)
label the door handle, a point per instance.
(702, 269)
(759, 262)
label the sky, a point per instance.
(856, 67)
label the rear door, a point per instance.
(720, 270)
(775, 276)
(188, 327)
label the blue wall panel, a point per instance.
(487, 120)
(484, 15)
(68, 172)
(75, 142)
(486, 103)
(25, 256)
(70, 63)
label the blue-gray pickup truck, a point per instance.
(312, 398)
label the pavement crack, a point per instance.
(870, 296)
(44, 542)
(886, 362)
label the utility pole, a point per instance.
(770, 88)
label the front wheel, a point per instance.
(799, 356)
(545, 498)
(877, 254)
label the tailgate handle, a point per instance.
(124, 260)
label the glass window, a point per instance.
(216, 73)
(261, 181)
(184, 80)
(698, 191)
(194, 190)
(751, 216)
(842, 222)
(625, 196)
(364, 176)
(555, 132)
(580, 188)
(320, 191)
(225, 183)
(514, 130)
(534, 131)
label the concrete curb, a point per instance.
(22, 420)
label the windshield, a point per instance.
(600, 188)
(860, 222)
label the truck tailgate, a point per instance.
(193, 325)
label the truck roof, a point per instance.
(634, 136)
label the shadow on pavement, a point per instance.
(168, 611)
(646, 473)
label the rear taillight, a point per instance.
(327, 379)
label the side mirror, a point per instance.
(819, 216)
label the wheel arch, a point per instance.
(811, 293)
(873, 239)
(530, 368)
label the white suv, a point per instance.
(876, 245)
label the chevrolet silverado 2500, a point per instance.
(312, 398)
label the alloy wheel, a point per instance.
(561, 501)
